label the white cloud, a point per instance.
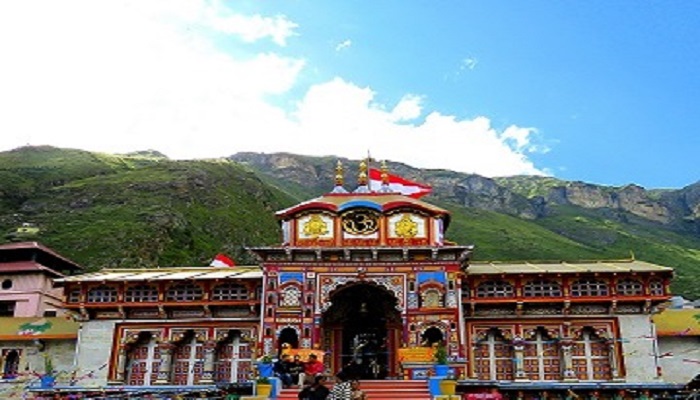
(343, 45)
(279, 28)
(469, 63)
(408, 108)
(117, 77)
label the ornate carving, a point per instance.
(587, 309)
(406, 227)
(360, 222)
(315, 227)
(392, 283)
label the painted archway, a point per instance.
(362, 326)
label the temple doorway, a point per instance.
(364, 328)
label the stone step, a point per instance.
(379, 390)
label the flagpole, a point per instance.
(369, 181)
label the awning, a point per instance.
(30, 328)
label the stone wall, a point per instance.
(681, 358)
(637, 338)
(94, 351)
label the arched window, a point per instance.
(102, 294)
(590, 357)
(542, 288)
(288, 336)
(629, 287)
(141, 293)
(431, 298)
(589, 287)
(290, 296)
(656, 287)
(431, 336)
(494, 357)
(10, 358)
(494, 289)
(230, 291)
(184, 292)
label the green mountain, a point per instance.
(533, 218)
(135, 210)
(144, 210)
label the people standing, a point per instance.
(357, 393)
(342, 390)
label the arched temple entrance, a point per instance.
(363, 328)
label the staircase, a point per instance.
(380, 390)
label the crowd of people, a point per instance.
(310, 378)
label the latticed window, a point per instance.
(74, 295)
(541, 357)
(290, 297)
(102, 294)
(494, 358)
(184, 292)
(656, 287)
(431, 298)
(629, 287)
(542, 288)
(589, 287)
(141, 293)
(590, 357)
(230, 291)
(144, 361)
(494, 289)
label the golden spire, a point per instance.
(362, 177)
(339, 178)
(385, 173)
(339, 173)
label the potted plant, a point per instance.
(448, 385)
(265, 366)
(440, 358)
(48, 379)
(263, 386)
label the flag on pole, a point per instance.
(397, 184)
(222, 261)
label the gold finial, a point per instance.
(339, 174)
(385, 173)
(339, 179)
(362, 178)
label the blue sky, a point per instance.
(597, 91)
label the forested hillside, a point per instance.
(143, 210)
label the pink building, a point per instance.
(36, 338)
(27, 271)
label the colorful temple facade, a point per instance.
(367, 278)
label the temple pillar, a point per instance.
(120, 373)
(612, 355)
(518, 357)
(208, 368)
(166, 362)
(568, 373)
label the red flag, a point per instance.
(222, 261)
(397, 184)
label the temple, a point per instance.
(367, 279)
